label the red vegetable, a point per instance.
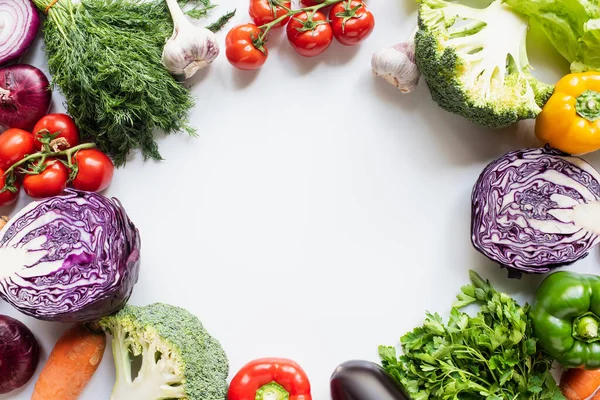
(94, 170)
(58, 130)
(20, 24)
(309, 34)
(264, 11)
(243, 49)
(51, 181)
(268, 378)
(19, 354)
(8, 196)
(14, 145)
(25, 96)
(351, 21)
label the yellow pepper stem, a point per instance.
(588, 105)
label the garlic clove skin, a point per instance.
(189, 50)
(397, 66)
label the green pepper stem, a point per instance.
(586, 327)
(272, 391)
(588, 105)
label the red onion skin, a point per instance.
(19, 354)
(23, 28)
(25, 96)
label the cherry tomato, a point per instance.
(14, 145)
(94, 170)
(50, 182)
(53, 124)
(243, 49)
(309, 35)
(7, 197)
(265, 11)
(351, 21)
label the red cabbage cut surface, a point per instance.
(69, 258)
(536, 209)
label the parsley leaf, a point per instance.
(492, 355)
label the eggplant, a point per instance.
(364, 380)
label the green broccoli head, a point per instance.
(475, 62)
(177, 358)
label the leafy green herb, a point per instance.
(105, 55)
(492, 356)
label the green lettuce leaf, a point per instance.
(572, 26)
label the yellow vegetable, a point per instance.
(570, 120)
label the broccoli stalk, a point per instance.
(475, 62)
(154, 379)
(178, 358)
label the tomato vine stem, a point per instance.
(290, 12)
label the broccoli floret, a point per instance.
(179, 359)
(475, 62)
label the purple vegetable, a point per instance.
(19, 25)
(535, 210)
(364, 380)
(69, 258)
(19, 354)
(25, 96)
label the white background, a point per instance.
(319, 213)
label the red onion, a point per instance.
(19, 354)
(25, 96)
(19, 24)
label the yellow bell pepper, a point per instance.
(570, 120)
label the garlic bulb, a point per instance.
(397, 66)
(190, 48)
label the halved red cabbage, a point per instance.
(68, 258)
(536, 209)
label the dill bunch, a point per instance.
(105, 55)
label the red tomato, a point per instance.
(7, 197)
(309, 36)
(264, 11)
(94, 170)
(243, 50)
(60, 124)
(50, 182)
(351, 22)
(14, 145)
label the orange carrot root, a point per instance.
(71, 364)
(3, 221)
(579, 384)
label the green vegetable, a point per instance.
(573, 27)
(105, 55)
(475, 62)
(491, 356)
(179, 359)
(566, 318)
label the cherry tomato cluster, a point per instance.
(46, 162)
(308, 29)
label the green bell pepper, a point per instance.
(566, 318)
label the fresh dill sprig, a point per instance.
(105, 55)
(218, 24)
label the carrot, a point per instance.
(579, 384)
(71, 364)
(3, 221)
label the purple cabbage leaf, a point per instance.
(534, 210)
(69, 258)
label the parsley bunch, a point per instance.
(492, 356)
(105, 55)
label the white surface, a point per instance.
(317, 216)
